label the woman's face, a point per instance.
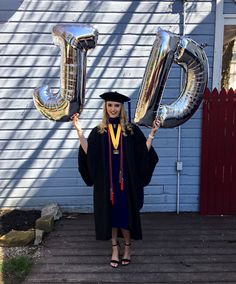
(113, 109)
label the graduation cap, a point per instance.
(114, 97)
(117, 97)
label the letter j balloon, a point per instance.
(74, 42)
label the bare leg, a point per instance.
(126, 256)
(115, 248)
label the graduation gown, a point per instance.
(94, 169)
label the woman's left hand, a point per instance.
(155, 126)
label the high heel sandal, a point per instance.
(126, 261)
(114, 261)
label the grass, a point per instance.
(15, 269)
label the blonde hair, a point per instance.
(125, 125)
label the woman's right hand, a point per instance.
(76, 123)
(83, 140)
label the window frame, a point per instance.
(221, 20)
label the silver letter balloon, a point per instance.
(170, 48)
(74, 42)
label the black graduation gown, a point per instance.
(140, 164)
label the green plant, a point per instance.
(14, 270)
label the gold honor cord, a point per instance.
(115, 139)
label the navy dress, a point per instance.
(120, 208)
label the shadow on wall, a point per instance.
(8, 9)
(39, 163)
(44, 169)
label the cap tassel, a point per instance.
(129, 111)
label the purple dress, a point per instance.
(120, 207)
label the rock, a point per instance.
(17, 238)
(38, 236)
(45, 223)
(19, 220)
(52, 209)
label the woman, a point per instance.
(118, 161)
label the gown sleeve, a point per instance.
(146, 159)
(86, 164)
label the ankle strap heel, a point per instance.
(114, 262)
(126, 261)
(115, 245)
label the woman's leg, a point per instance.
(127, 255)
(115, 248)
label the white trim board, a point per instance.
(219, 34)
(230, 21)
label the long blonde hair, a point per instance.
(125, 125)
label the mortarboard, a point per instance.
(114, 97)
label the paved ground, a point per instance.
(187, 248)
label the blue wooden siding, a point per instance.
(229, 7)
(38, 158)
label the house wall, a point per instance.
(38, 158)
(229, 7)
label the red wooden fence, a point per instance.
(218, 155)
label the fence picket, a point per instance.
(222, 205)
(214, 174)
